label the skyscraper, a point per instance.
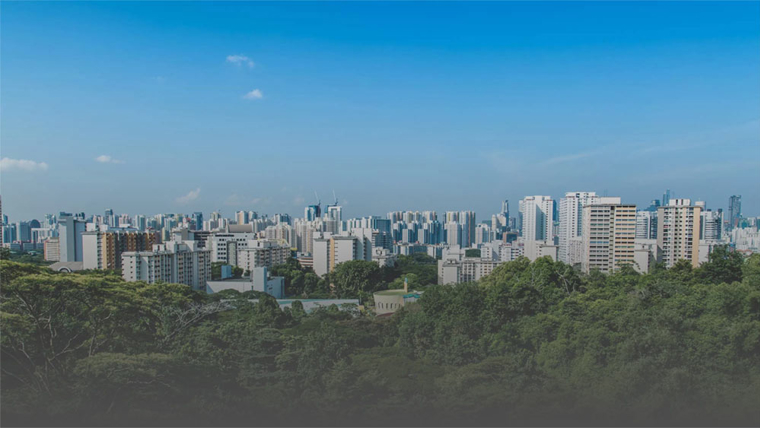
(571, 222)
(678, 232)
(467, 220)
(537, 213)
(609, 231)
(734, 210)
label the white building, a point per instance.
(534, 250)
(537, 213)
(173, 262)
(226, 247)
(645, 255)
(571, 223)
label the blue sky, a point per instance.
(393, 105)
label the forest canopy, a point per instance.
(531, 344)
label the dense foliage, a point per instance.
(532, 344)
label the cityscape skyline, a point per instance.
(295, 212)
(221, 106)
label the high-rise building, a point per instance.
(70, 230)
(312, 212)
(109, 218)
(23, 231)
(198, 220)
(571, 223)
(453, 233)
(678, 232)
(711, 225)
(174, 261)
(646, 224)
(241, 217)
(329, 251)
(103, 250)
(469, 225)
(609, 232)
(734, 210)
(537, 213)
(666, 198)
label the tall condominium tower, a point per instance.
(537, 214)
(571, 223)
(609, 231)
(678, 232)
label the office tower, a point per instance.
(734, 210)
(9, 233)
(70, 230)
(646, 224)
(312, 212)
(571, 223)
(23, 231)
(174, 262)
(109, 218)
(711, 225)
(198, 220)
(103, 250)
(609, 232)
(537, 213)
(678, 232)
(505, 207)
(241, 217)
(665, 198)
(2, 217)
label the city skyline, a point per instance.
(231, 213)
(148, 107)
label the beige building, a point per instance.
(52, 250)
(609, 231)
(330, 251)
(678, 232)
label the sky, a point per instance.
(148, 107)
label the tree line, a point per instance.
(531, 344)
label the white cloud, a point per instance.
(240, 60)
(8, 164)
(191, 196)
(107, 159)
(254, 95)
